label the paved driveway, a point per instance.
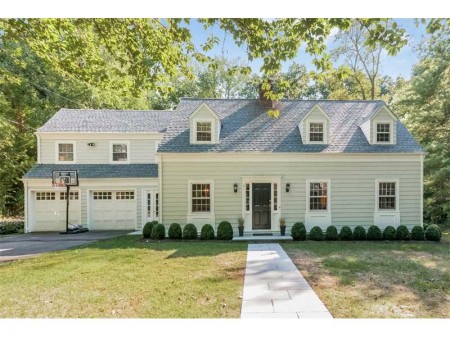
(19, 246)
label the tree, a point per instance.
(359, 57)
(424, 104)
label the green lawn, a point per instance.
(377, 279)
(127, 277)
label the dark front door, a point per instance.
(261, 206)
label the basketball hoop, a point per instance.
(65, 179)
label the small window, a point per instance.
(275, 196)
(102, 195)
(201, 198)
(73, 196)
(318, 196)
(316, 132)
(386, 195)
(203, 131)
(149, 204)
(125, 195)
(120, 152)
(383, 133)
(247, 197)
(157, 205)
(65, 152)
(45, 195)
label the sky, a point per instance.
(399, 65)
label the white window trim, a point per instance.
(391, 133)
(211, 197)
(397, 195)
(325, 132)
(119, 142)
(308, 182)
(213, 130)
(74, 143)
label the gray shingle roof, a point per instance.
(79, 120)
(96, 170)
(247, 127)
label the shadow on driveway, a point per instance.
(20, 246)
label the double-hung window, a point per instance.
(203, 132)
(316, 132)
(318, 196)
(120, 153)
(66, 152)
(201, 198)
(387, 195)
(383, 133)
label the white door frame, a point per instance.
(153, 217)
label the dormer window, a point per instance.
(316, 132)
(203, 133)
(383, 133)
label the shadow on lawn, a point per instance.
(180, 248)
(383, 270)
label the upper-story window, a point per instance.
(120, 152)
(66, 152)
(316, 132)
(383, 133)
(203, 132)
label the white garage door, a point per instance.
(50, 211)
(113, 210)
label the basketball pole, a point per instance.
(67, 207)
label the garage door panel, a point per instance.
(113, 210)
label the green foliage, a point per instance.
(402, 233)
(11, 227)
(316, 234)
(224, 231)
(331, 233)
(207, 232)
(190, 232)
(147, 230)
(433, 233)
(298, 232)
(418, 233)
(423, 105)
(175, 232)
(359, 233)
(374, 233)
(158, 232)
(389, 233)
(346, 233)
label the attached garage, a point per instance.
(49, 210)
(113, 210)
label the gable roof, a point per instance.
(44, 171)
(246, 127)
(79, 120)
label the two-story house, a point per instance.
(322, 162)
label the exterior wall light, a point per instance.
(90, 144)
(235, 187)
(288, 187)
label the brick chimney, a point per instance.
(263, 100)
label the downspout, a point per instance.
(38, 148)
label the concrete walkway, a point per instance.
(274, 288)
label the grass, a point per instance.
(127, 277)
(377, 279)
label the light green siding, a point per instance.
(352, 188)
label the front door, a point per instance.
(151, 206)
(261, 206)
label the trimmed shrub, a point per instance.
(224, 231)
(175, 232)
(403, 233)
(190, 232)
(147, 230)
(331, 234)
(425, 226)
(207, 232)
(316, 234)
(11, 227)
(359, 233)
(298, 231)
(389, 233)
(374, 233)
(433, 233)
(158, 232)
(345, 234)
(417, 233)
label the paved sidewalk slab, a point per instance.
(274, 288)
